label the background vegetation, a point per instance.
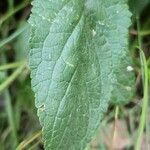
(122, 128)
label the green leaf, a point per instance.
(79, 61)
(22, 43)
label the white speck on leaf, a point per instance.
(68, 63)
(42, 108)
(101, 23)
(93, 32)
(130, 68)
(128, 88)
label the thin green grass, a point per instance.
(10, 66)
(9, 111)
(11, 12)
(17, 72)
(11, 78)
(13, 36)
(10, 4)
(115, 127)
(144, 70)
(28, 141)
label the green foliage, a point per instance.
(138, 5)
(82, 50)
(2, 76)
(80, 63)
(22, 44)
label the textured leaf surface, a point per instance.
(78, 60)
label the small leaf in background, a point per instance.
(22, 43)
(24, 108)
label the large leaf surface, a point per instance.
(79, 62)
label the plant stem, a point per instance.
(115, 127)
(139, 28)
(144, 106)
(144, 69)
(10, 66)
(145, 33)
(10, 79)
(142, 33)
(26, 142)
(10, 4)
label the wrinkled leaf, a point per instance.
(79, 61)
